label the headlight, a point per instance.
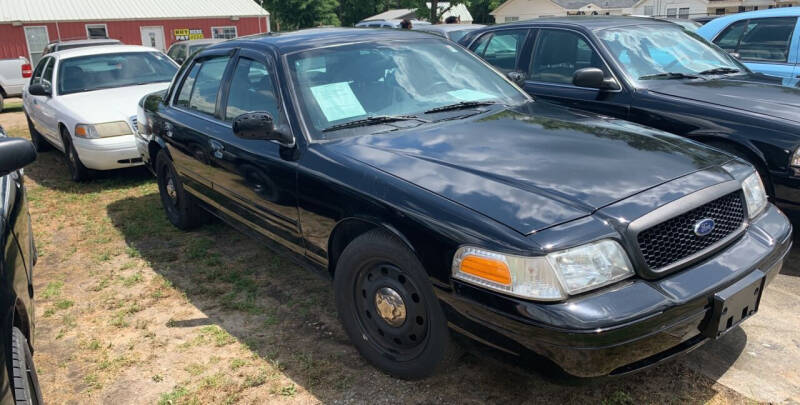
(754, 195)
(546, 278)
(105, 130)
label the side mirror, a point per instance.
(40, 89)
(180, 60)
(15, 153)
(593, 78)
(259, 126)
(516, 77)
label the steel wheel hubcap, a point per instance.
(390, 306)
(171, 192)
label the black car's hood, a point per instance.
(756, 93)
(533, 167)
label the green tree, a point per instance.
(480, 10)
(295, 14)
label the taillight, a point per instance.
(27, 70)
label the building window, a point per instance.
(683, 12)
(96, 31)
(648, 10)
(223, 32)
(741, 9)
(672, 12)
(511, 19)
(719, 11)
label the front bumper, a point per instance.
(108, 153)
(627, 326)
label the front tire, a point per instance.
(77, 171)
(389, 310)
(181, 208)
(25, 381)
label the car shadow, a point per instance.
(51, 171)
(284, 311)
(791, 266)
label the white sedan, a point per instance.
(83, 101)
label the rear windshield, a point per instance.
(95, 72)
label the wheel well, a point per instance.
(344, 233)
(153, 148)
(21, 320)
(745, 153)
(3, 92)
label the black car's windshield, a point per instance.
(656, 52)
(400, 79)
(95, 72)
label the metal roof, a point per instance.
(90, 10)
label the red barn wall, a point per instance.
(12, 39)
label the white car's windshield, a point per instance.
(95, 72)
(655, 52)
(343, 84)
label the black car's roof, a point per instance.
(591, 22)
(318, 37)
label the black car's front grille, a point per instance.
(675, 239)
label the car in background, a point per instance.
(453, 32)
(19, 383)
(83, 102)
(14, 74)
(56, 46)
(657, 74)
(182, 50)
(388, 23)
(766, 41)
(440, 196)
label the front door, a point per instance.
(37, 39)
(256, 175)
(153, 37)
(556, 55)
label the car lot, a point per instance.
(129, 317)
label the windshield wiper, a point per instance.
(460, 105)
(719, 71)
(374, 120)
(669, 76)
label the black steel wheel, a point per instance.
(77, 171)
(181, 209)
(388, 308)
(25, 381)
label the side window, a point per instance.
(47, 75)
(37, 73)
(559, 54)
(251, 90)
(177, 52)
(205, 83)
(728, 40)
(504, 47)
(767, 39)
(479, 47)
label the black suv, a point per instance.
(657, 74)
(441, 197)
(18, 381)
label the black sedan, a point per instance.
(657, 74)
(442, 198)
(18, 381)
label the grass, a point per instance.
(53, 290)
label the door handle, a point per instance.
(217, 148)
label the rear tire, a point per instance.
(25, 382)
(2, 102)
(36, 138)
(77, 171)
(181, 208)
(413, 341)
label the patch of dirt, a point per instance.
(12, 115)
(131, 310)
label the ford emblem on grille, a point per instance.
(703, 227)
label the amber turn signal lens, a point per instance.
(80, 130)
(487, 269)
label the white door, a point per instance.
(37, 39)
(153, 37)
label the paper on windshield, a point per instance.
(337, 101)
(469, 95)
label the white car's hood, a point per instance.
(116, 104)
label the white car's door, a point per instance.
(47, 111)
(31, 102)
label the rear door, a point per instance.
(555, 57)
(257, 177)
(192, 121)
